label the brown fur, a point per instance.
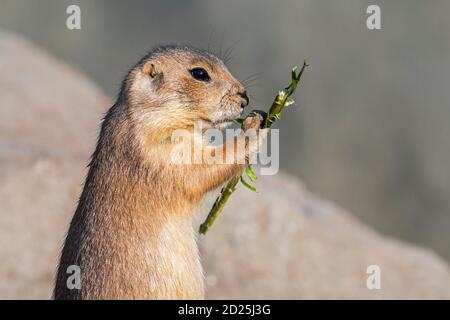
(132, 234)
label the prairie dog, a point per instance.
(131, 234)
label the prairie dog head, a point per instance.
(174, 86)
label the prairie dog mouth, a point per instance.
(222, 122)
(219, 124)
(227, 120)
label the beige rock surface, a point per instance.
(283, 242)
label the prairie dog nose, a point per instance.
(244, 96)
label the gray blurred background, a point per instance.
(371, 127)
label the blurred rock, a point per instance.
(283, 242)
(49, 116)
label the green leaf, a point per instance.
(239, 120)
(245, 183)
(250, 173)
(289, 102)
(294, 73)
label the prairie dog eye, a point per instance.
(200, 74)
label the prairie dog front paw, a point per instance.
(254, 135)
(253, 120)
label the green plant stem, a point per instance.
(220, 202)
(274, 114)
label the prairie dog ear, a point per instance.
(151, 69)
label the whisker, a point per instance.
(221, 46)
(228, 53)
(251, 85)
(253, 76)
(211, 34)
(251, 79)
